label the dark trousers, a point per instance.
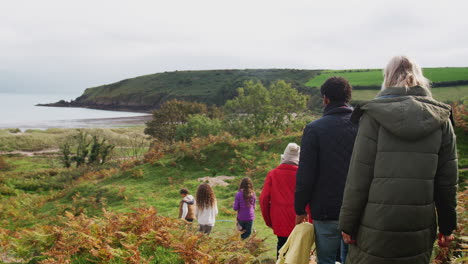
(281, 242)
(246, 228)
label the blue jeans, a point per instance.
(344, 252)
(246, 227)
(328, 241)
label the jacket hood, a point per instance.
(189, 199)
(337, 108)
(408, 113)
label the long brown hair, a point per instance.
(205, 196)
(246, 186)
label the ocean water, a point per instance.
(19, 111)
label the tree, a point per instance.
(252, 106)
(86, 150)
(286, 102)
(171, 114)
(199, 126)
(99, 151)
(265, 110)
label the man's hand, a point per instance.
(301, 219)
(444, 241)
(347, 238)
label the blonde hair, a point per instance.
(401, 71)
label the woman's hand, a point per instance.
(347, 238)
(444, 241)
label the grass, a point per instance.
(374, 77)
(36, 189)
(36, 140)
(158, 185)
(444, 94)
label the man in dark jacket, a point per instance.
(326, 148)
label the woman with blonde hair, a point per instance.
(402, 180)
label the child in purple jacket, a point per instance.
(244, 204)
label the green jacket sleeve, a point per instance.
(360, 175)
(446, 179)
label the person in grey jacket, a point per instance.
(403, 176)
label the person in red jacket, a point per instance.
(277, 197)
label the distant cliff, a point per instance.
(147, 92)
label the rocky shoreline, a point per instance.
(109, 107)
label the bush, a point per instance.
(126, 238)
(171, 114)
(83, 150)
(14, 130)
(3, 165)
(264, 110)
(199, 126)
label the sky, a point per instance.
(66, 46)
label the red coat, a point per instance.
(277, 199)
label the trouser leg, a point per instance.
(281, 242)
(328, 239)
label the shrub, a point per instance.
(126, 237)
(265, 110)
(137, 173)
(3, 164)
(199, 126)
(171, 114)
(81, 150)
(14, 130)
(460, 116)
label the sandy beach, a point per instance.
(80, 123)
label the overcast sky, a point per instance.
(67, 46)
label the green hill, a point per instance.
(213, 87)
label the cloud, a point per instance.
(69, 46)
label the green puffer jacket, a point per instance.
(403, 170)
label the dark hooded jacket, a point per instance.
(402, 178)
(326, 148)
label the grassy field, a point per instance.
(443, 94)
(36, 140)
(374, 77)
(39, 186)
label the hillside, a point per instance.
(36, 192)
(147, 92)
(46, 191)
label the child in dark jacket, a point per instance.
(244, 204)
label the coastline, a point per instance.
(81, 123)
(118, 108)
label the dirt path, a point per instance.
(48, 152)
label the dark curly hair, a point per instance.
(205, 196)
(337, 89)
(246, 186)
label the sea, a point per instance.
(18, 110)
